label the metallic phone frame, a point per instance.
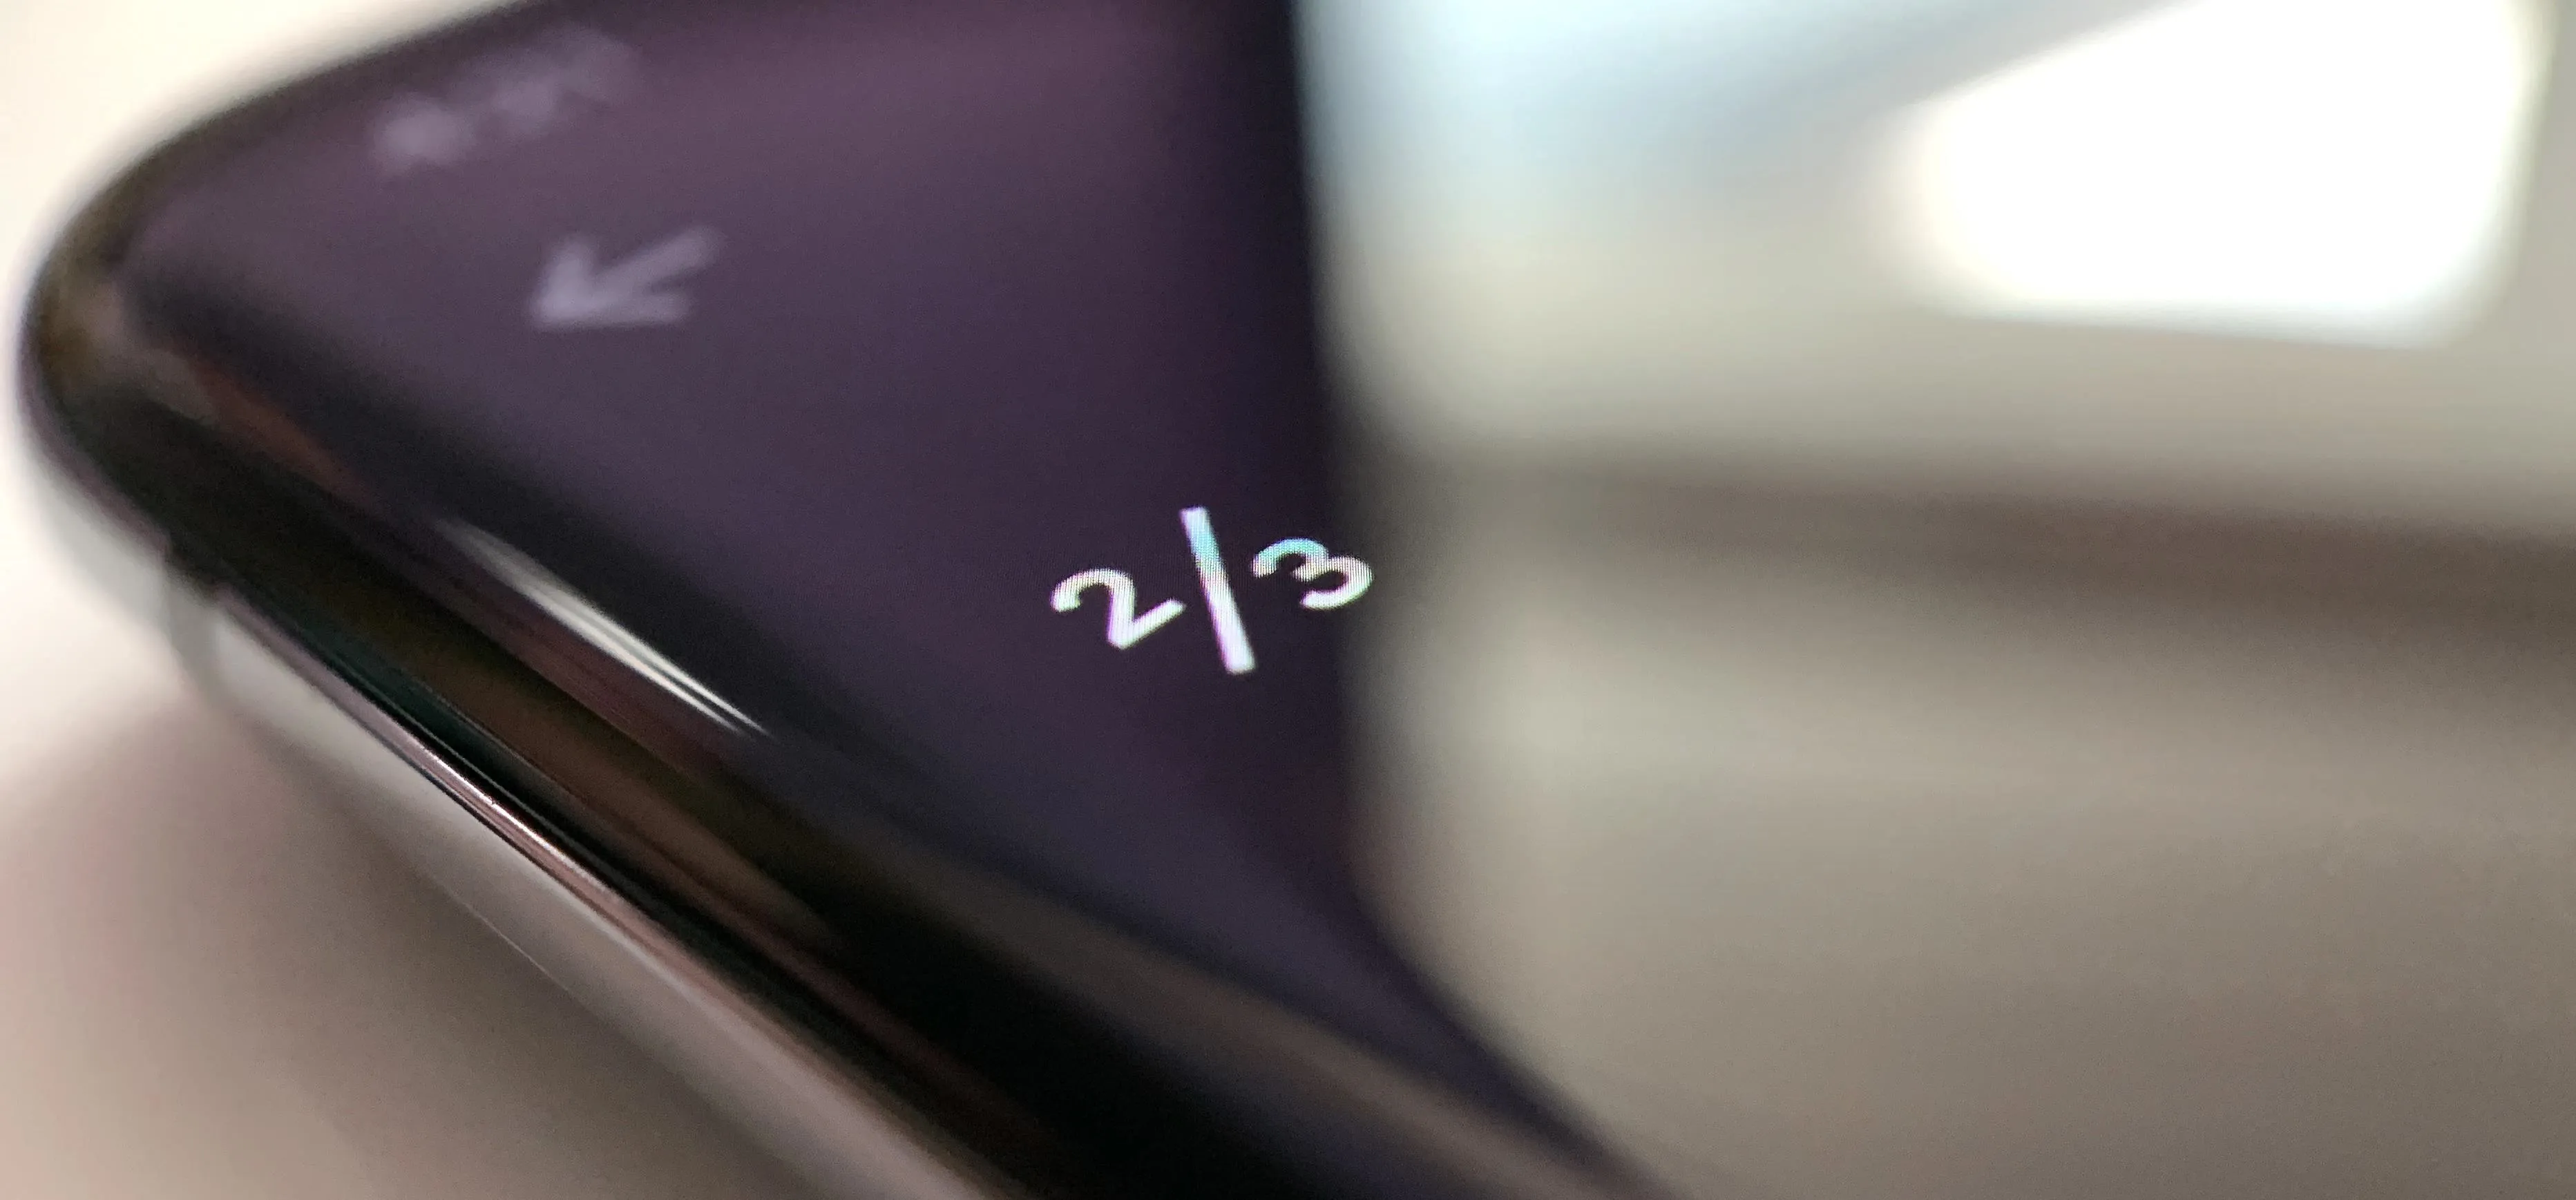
(509, 873)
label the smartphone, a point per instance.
(1414, 599)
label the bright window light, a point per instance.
(2342, 170)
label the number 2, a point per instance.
(1125, 627)
(1319, 561)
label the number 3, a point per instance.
(1355, 574)
(1125, 627)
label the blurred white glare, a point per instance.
(2339, 170)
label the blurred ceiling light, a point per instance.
(2339, 170)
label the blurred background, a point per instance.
(2294, 253)
(1999, 584)
(1996, 614)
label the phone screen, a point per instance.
(1819, 595)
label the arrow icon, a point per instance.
(575, 292)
